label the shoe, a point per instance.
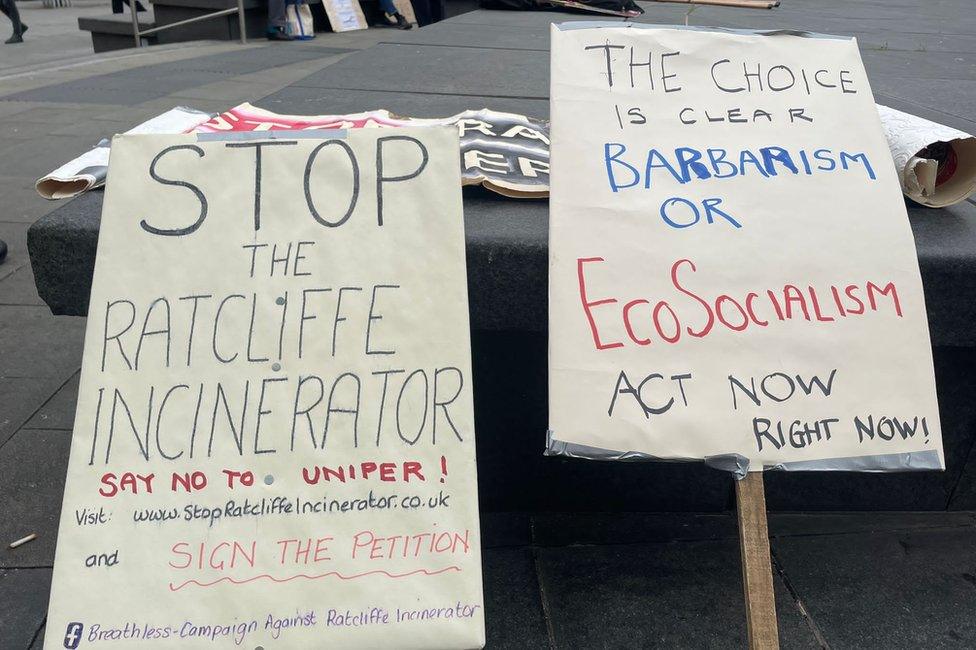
(397, 20)
(279, 34)
(16, 38)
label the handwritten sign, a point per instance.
(731, 266)
(274, 441)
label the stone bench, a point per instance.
(500, 60)
(114, 31)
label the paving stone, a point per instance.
(24, 593)
(21, 202)
(934, 66)
(34, 464)
(18, 288)
(33, 343)
(58, 412)
(96, 129)
(301, 100)
(15, 235)
(134, 86)
(911, 589)
(513, 37)
(513, 606)
(463, 71)
(933, 94)
(41, 156)
(20, 398)
(668, 595)
(14, 108)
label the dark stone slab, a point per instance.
(940, 97)
(508, 255)
(513, 606)
(786, 524)
(459, 71)
(686, 595)
(138, 85)
(513, 475)
(62, 246)
(505, 529)
(24, 593)
(33, 465)
(304, 100)
(936, 66)
(602, 528)
(513, 37)
(58, 412)
(489, 17)
(914, 589)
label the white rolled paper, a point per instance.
(936, 164)
(90, 169)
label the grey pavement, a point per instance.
(53, 35)
(552, 580)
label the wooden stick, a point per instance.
(745, 4)
(757, 570)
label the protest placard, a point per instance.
(274, 440)
(732, 272)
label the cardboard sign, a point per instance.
(345, 15)
(732, 271)
(274, 441)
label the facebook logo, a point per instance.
(72, 635)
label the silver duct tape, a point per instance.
(315, 134)
(738, 466)
(599, 24)
(912, 461)
(572, 450)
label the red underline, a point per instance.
(314, 577)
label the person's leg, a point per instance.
(390, 10)
(9, 9)
(277, 21)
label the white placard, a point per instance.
(731, 265)
(274, 440)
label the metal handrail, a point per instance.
(137, 35)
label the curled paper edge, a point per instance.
(90, 169)
(908, 135)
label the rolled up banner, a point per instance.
(90, 169)
(506, 153)
(936, 164)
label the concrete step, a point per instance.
(114, 31)
(115, 23)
